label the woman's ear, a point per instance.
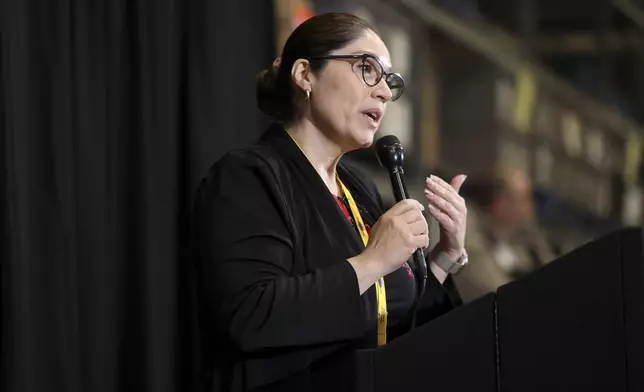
(302, 75)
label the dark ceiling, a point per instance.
(557, 15)
(564, 34)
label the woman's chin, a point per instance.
(367, 144)
(363, 142)
(366, 136)
(360, 138)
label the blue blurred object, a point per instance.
(556, 213)
(466, 9)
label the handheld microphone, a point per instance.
(391, 157)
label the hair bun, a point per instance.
(268, 97)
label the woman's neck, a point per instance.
(322, 152)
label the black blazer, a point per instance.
(278, 296)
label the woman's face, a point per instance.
(342, 105)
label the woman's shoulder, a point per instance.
(255, 163)
(261, 158)
(257, 155)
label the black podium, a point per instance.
(575, 325)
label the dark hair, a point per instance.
(317, 36)
(484, 189)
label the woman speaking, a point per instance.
(297, 257)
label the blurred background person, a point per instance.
(503, 236)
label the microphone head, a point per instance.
(390, 152)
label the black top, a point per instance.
(277, 294)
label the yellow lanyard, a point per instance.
(381, 293)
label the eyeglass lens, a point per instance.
(372, 72)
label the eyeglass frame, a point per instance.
(364, 57)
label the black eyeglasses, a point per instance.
(371, 71)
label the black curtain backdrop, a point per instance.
(111, 111)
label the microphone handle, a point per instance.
(398, 183)
(419, 266)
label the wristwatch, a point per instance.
(451, 267)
